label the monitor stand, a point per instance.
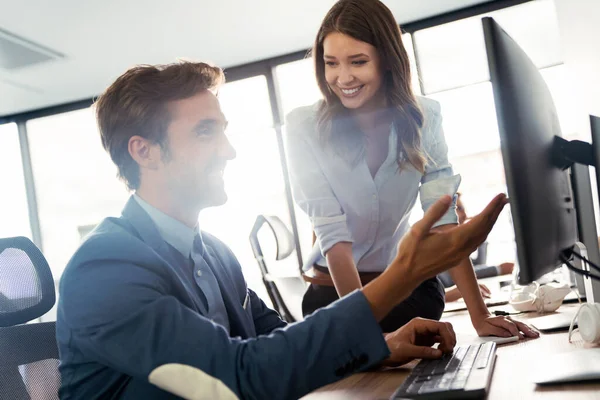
(588, 234)
(578, 364)
(587, 247)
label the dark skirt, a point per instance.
(426, 301)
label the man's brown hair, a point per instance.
(136, 104)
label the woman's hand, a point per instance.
(453, 294)
(488, 325)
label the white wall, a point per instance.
(579, 24)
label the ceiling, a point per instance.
(99, 40)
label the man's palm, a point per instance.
(433, 252)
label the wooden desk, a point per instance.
(511, 378)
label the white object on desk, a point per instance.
(544, 298)
(498, 340)
(572, 366)
(588, 319)
(554, 321)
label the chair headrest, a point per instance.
(283, 236)
(26, 283)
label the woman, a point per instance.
(360, 157)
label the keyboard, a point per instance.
(464, 374)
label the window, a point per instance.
(254, 179)
(469, 119)
(297, 84)
(14, 217)
(574, 121)
(75, 181)
(453, 55)
(453, 63)
(414, 75)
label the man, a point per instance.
(150, 307)
(482, 270)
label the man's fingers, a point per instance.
(444, 330)
(495, 208)
(414, 351)
(480, 226)
(433, 214)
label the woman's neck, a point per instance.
(370, 121)
(372, 115)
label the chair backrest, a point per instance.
(28, 352)
(481, 258)
(284, 238)
(285, 246)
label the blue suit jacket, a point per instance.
(126, 307)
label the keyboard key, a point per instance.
(484, 355)
(446, 377)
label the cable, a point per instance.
(575, 269)
(591, 264)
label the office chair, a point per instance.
(28, 352)
(481, 254)
(285, 246)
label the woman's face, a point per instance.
(353, 71)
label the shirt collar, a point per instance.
(174, 232)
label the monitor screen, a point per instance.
(540, 194)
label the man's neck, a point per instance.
(164, 202)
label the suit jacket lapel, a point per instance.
(240, 320)
(148, 232)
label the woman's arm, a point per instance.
(439, 180)
(484, 323)
(310, 187)
(343, 271)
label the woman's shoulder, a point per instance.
(432, 118)
(431, 108)
(302, 118)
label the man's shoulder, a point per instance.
(112, 237)
(114, 241)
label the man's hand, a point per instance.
(426, 253)
(414, 340)
(423, 254)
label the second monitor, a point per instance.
(536, 161)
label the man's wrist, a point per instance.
(389, 289)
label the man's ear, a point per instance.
(144, 152)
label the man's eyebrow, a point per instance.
(210, 122)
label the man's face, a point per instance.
(197, 151)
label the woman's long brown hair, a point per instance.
(372, 22)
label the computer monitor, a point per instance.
(595, 125)
(540, 194)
